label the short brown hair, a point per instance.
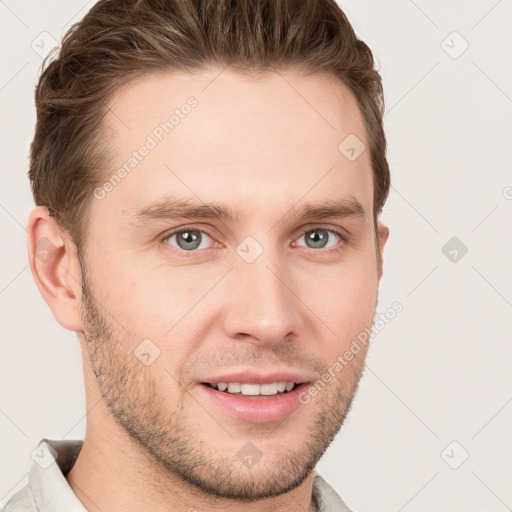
(119, 40)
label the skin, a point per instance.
(153, 441)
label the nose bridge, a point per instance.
(261, 302)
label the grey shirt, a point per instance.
(47, 489)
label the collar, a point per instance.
(52, 460)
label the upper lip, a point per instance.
(253, 376)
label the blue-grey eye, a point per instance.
(318, 238)
(189, 239)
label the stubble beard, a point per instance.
(175, 443)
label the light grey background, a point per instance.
(440, 371)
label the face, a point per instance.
(237, 249)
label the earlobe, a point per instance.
(55, 268)
(383, 235)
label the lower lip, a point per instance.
(261, 409)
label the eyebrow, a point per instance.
(173, 208)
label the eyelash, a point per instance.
(345, 238)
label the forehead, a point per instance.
(220, 134)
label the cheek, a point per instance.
(344, 298)
(352, 302)
(150, 300)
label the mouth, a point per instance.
(255, 403)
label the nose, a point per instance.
(262, 306)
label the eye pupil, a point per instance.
(188, 239)
(318, 237)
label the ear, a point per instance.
(383, 238)
(55, 267)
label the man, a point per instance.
(209, 177)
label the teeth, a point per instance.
(234, 387)
(268, 389)
(248, 389)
